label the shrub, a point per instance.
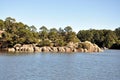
(44, 43)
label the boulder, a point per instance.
(44, 49)
(26, 48)
(37, 49)
(30, 49)
(49, 49)
(61, 49)
(74, 50)
(17, 45)
(11, 50)
(28, 45)
(80, 50)
(22, 49)
(54, 49)
(85, 50)
(67, 49)
(88, 47)
(17, 49)
(97, 49)
(72, 45)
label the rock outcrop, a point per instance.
(88, 47)
(71, 47)
(24, 48)
(11, 50)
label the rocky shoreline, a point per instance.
(71, 47)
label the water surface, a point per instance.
(59, 66)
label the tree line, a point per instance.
(103, 38)
(18, 32)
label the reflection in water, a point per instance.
(48, 66)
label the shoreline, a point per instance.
(78, 47)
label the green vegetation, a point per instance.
(20, 33)
(103, 38)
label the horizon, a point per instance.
(80, 15)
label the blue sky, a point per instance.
(80, 14)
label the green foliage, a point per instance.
(43, 28)
(43, 33)
(18, 32)
(68, 29)
(2, 26)
(103, 38)
(71, 37)
(84, 45)
(117, 31)
(44, 43)
(53, 36)
(33, 28)
(85, 35)
(110, 39)
(60, 42)
(53, 30)
(61, 31)
(116, 45)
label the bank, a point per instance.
(71, 47)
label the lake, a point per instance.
(61, 66)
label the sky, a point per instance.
(79, 14)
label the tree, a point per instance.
(98, 37)
(2, 26)
(53, 30)
(33, 28)
(43, 28)
(117, 31)
(44, 43)
(12, 20)
(18, 32)
(85, 35)
(43, 34)
(110, 38)
(68, 29)
(60, 42)
(60, 30)
(71, 37)
(53, 35)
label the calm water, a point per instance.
(47, 66)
